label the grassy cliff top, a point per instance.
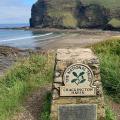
(106, 3)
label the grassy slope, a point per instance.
(109, 55)
(111, 4)
(114, 22)
(26, 75)
(61, 9)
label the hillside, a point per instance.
(76, 13)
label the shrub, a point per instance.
(109, 55)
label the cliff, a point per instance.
(76, 13)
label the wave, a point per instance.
(45, 39)
(22, 38)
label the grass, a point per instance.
(114, 22)
(109, 114)
(109, 55)
(25, 76)
(111, 4)
(69, 20)
(46, 110)
(61, 12)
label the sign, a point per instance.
(78, 80)
(78, 112)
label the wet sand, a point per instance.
(81, 38)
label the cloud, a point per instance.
(15, 11)
(11, 3)
(14, 14)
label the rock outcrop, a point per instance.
(73, 14)
(92, 16)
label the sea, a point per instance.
(25, 39)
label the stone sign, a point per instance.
(77, 112)
(78, 80)
(77, 89)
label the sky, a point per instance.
(15, 11)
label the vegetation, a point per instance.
(109, 114)
(65, 18)
(46, 110)
(109, 55)
(112, 4)
(114, 22)
(25, 76)
(69, 20)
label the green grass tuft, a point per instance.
(109, 114)
(114, 22)
(46, 110)
(109, 55)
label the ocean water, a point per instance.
(14, 25)
(26, 39)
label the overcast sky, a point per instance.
(15, 11)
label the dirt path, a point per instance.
(33, 105)
(116, 108)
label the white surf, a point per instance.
(22, 38)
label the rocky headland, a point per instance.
(76, 14)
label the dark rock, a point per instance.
(38, 13)
(9, 55)
(53, 13)
(92, 16)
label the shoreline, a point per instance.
(70, 39)
(60, 29)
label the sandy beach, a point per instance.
(80, 38)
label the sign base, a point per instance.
(78, 112)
